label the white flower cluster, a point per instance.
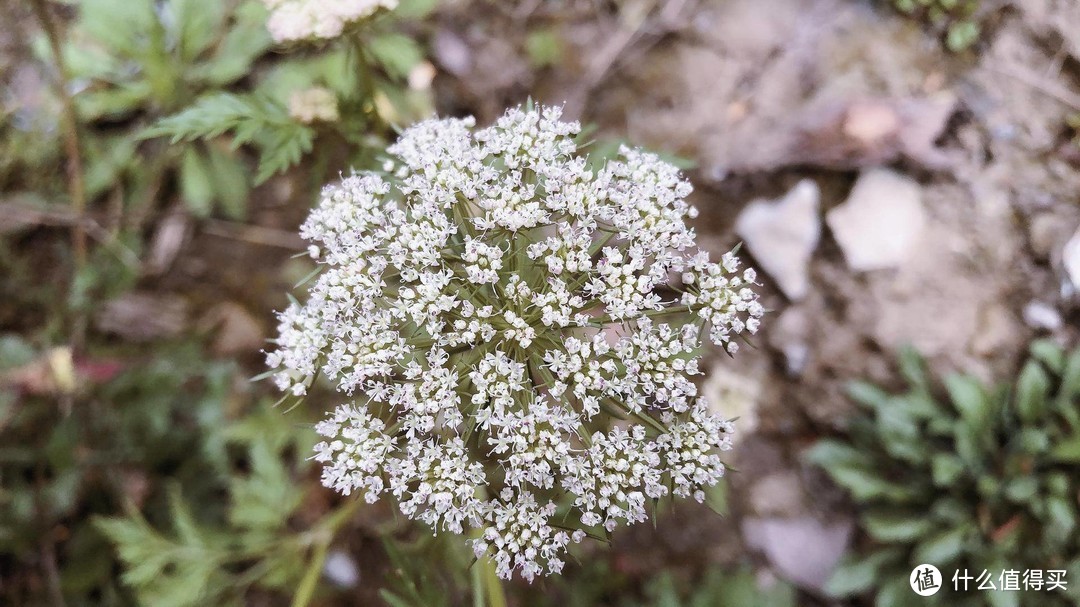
(315, 104)
(519, 334)
(293, 20)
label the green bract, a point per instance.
(964, 476)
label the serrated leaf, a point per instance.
(213, 115)
(282, 148)
(263, 499)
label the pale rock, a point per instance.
(1042, 316)
(452, 52)
(734, 396)
(803, 550)
(1046, 232)
(236, 330)
(341, 570)
(143, 316)
(1070, 262)
(879, 224)
(778, 494)
(790, 334)
(783, 234)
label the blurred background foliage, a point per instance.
(965, 476)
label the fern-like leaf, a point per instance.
(250, 119)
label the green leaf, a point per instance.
(1062, 515)
(14, 351)
(849, 469)
(255, 119)
(245, 41)
(868, 394)
(942, 548)
(264, 499)
(1022, 489)
(1035, 441)
(113, 102)
(1067, 451)
(215, 114)
(1032, 389)
(858, 574)
(945, 469)
(913, 368)
(397, 53)
(230, 182)
(962, 35)
(306, 590)
(119, 24)
(196, 187)
(895, 526)
(969, 398)
(162, 571)
(897, 593)
(1069, 392)
(196, 24)
(544, 48)
(415, 9)
(1048, 353)
(282, 148)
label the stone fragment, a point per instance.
(782, 235)
(1042, 316)
(1070, 262)
(881, 221)
(778, 494)
(803, 550)
(734, 396)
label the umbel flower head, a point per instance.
(293, 20)
(518, 335)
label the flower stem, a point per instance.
(76, 186)
(493, 588)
